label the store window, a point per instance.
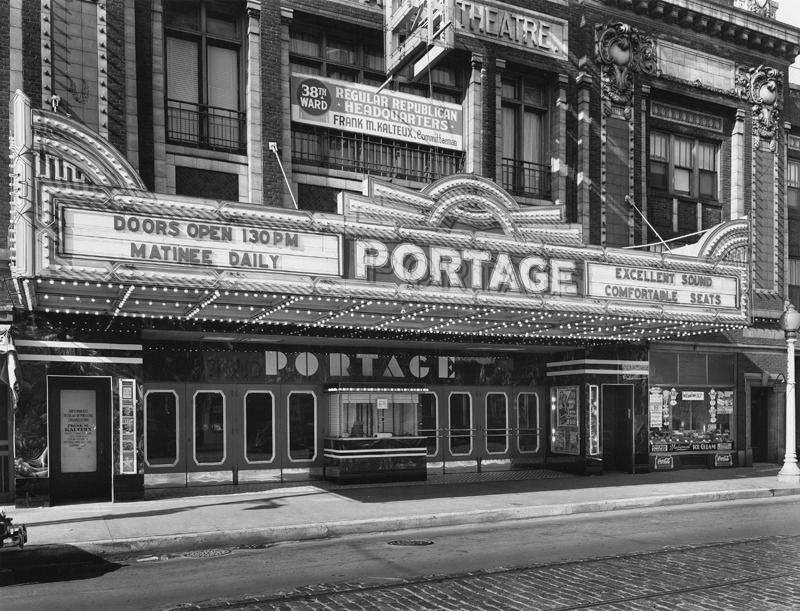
(203, 57)
(460, 423)
(496, 423)
(302, 408)
(161, 428)
(528, 422)
(525, 163)
(259, 427)
(209, 427)
(692, 402)
(683, 166)
(428, 422)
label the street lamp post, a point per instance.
(790, 323)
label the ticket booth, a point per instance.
(373, 435)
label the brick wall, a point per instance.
(31, 39)
(272, 74)
(144, 93)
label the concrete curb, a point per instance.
(321, 530)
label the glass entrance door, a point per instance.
(213, 434)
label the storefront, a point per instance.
(169, 343)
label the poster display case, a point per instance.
(372, 435)
(565, 418)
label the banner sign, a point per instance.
(160, 239)
(351, 107)
(623, 283)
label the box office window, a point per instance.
(161, 428)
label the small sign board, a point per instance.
(664, 463)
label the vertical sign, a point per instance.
(127, 426)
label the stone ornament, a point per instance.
(622, 51)
(762, 87)
(763, 8)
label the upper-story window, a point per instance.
(793, 184)
(525, 168)
(336, 55)
(204, 74)
(684, 166)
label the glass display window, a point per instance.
(372, 413)
(691, 418)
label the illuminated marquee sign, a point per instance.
(160, 240)
(623, 283)
(357, 108)
(515, 27)
(466, 269)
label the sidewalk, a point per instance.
(310, 510)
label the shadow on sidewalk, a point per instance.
(49, 564)
(273, 502)
(476, 484)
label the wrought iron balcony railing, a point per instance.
(206, 127)
(525, 178)
(374, 156)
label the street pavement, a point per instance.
(311, 510)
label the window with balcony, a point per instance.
(525, 168)
(355, 55)
(684, 166)
(203, 54)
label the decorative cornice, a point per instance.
(739, 26)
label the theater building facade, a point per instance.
(253, 243)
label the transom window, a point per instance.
(203, 75)
(684, 166)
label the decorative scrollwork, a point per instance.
(762, 88)
(622, 51)
(764, 8)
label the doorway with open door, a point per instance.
(80, 437)
(759, 424)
